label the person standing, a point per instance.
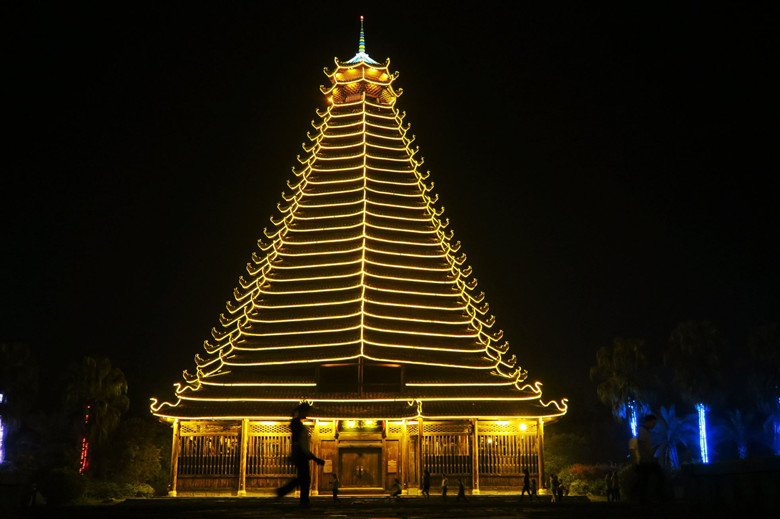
(526, 485)
(396, 490)
(426, 484)
(461, 491)
(335, 486)
(444, 485)
(647, 465)
(615, 487)
(300, 456)
(534, 493)
(608, 484)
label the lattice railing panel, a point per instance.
(507, 454)
(269, 456)
(259, 428)
(447, 453)
(189, 428)
(446, 427)
(203, 455)
(395, 429)
(497, 428)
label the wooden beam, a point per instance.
(420, 465)
(175, 457)
(242, 460)
(540, 446)
(474, 457)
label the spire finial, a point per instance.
(362, 46)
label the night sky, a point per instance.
(609, 172)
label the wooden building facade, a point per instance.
(358, 301)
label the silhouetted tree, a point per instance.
(695, 355)
(672, 431)
(620, 374)
(19, 387)
(98, 394)
(738, 429)
(764, 378)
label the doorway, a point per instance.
(360, 467)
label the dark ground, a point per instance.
(488, 507)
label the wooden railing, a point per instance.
(447, 453)
(209, 455)
(507, 454)
(269, 455)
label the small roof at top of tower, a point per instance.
(361, 55)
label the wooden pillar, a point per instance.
(404, 473)
(474, 457)
(242, 462)
(420, 463)
(540, 446)
(315, 449)
(175, 457)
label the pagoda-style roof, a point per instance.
(358, 267)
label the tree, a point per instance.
(97, 393)
(695, 355)
(739, 431)
(672, 432)
(764, 377)
(18, 387)
(620, 374)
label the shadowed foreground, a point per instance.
(488, 507)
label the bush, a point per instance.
(108, 490)
(586, 479)
(62, 486)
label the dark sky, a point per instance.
(610, 172)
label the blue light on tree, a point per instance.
(632, 418)
(2, 434)
(705, 457)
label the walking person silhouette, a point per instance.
(300, 456)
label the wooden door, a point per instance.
(360, 467)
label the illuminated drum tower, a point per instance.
(359, 302)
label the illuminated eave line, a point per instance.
(310, 291)
(317, 278)
(297, 361)
(304, 319)
(458, 384)
(307, 304)
(427, 321)
(422, 307)
(366, 133)
(294, 332)
(399, 361)
(392, 193)
(259, 384)
(421, 348)
(317, 265)
(358, 400)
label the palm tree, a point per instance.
(673, 431)
(18, 389)
(695, 354)
(764, 377)
(98, 393)
(620, 376)
(738, 430)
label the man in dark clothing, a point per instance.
(426, 485)
(526, 485)
(300, 455)
(647, 465)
